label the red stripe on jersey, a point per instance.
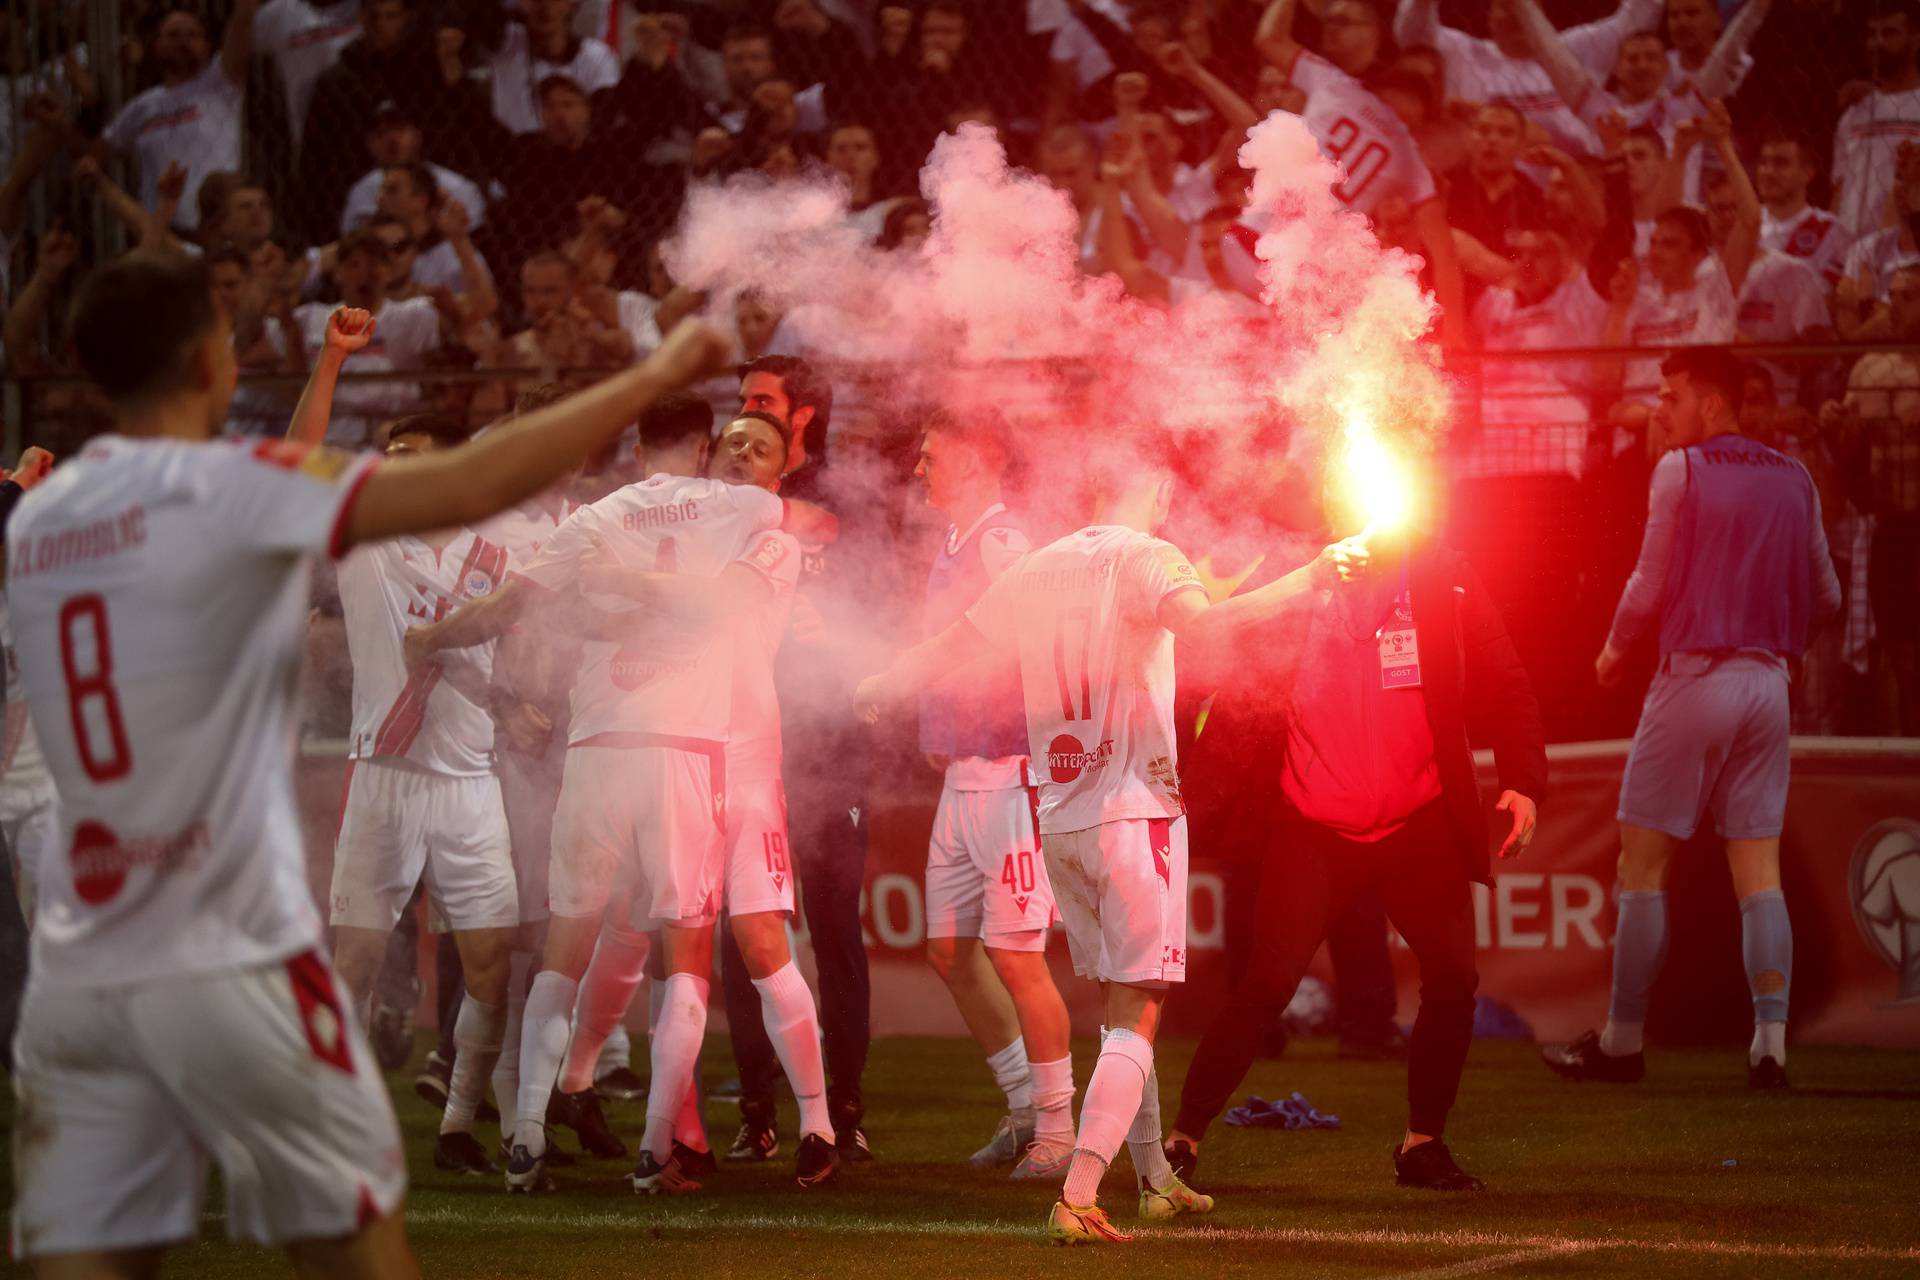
(320, 1010)
(337, 540)
(409, 713)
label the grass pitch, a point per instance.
(1684, 1175)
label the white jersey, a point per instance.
(1782, 300)
(517, 74)
(363, 197)
(436, 717)
(195, 123)
(1701, 314)
(23, 769)
(668, 678)
(1534, 414)
(1096, 671)
(1866, 153)
(753, 736)
(1876, 258)
(158, 591)
(303, 39)
(1361, 134)
(1814, 236)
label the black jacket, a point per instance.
(1471, 676)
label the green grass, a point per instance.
(1584, 1180)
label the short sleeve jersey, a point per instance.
(1362, 135)
(1096, 671)
(158, 592)
(666, 676)
(195, 123)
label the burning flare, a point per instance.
(1377, 481)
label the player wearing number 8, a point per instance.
(1092, 618)
(180, 1004)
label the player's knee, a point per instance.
(763, 944)
(942, 953)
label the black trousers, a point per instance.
(1311, 876)
(829, 843)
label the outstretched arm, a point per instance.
(236, 50)
(930, 660)
(1716, 78)
(348, 330)
(1188, 615)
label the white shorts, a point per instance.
(1122, 891)
(125, 1095)
(30, 820)
(648, 818)
(759, 868)
(986, 878)
(399, 824)
(529, 790)
(1712, 736)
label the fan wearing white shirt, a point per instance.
(1503, 67)
(304, 39)
(1788, 224)
(542, 44)
(394, 139)
(192, 117)
(411, 193)
(1698, 54)
(1782, 300)
(1867, 141)
(1685, 296)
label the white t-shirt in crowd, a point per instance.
(517, 75)
(303, 39)
(670, 676)
(435, 718)
(1782, 300)
(1479, 72)
(1362, 135)
(1814, 236)
(406, 331)
(1535, 414)
(1866, 149)
(159, 593)
(363, 198)
(1701, 314)
(440, 265)
(1096, 671)
(1876, 258)
(640, 319)
(753, 735)
(195, 123)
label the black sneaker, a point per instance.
(852, 1143)
(581, 1113)
(698, 1164)
(526, 1172)
(621, 1084)
(1430, 1165)
(818, 1161)
(1767, 1074)
(754, 1143)
(1184, 1159)
(1583, 1060)
(461, 1153)
(435, 1081)
(651, 1178)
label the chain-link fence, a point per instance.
(494, 178)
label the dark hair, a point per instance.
(1780, 135)
(1709, 369)
(1506, 105)
(211, 200)
(984, 430)
(444, 429)
(1690, 222)
(137, 321)
(805, 386)
(558, 80)
(1654, 34)
(1404, 80)
(894, 229)
(421, 175)
(674, 418)
(362, 240)
(224, 253)
(741, 31)
(547, 393)
(1647, 133)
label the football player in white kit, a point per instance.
(754, 450)
(1093, 617)
(181, 1008)
(989, 903)
(641, 810)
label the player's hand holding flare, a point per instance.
(1526, 815)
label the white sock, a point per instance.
(1769, 1041)
(506, 1071)
(1053, 1102)
(1618, 1038)
(786, 1009)
(543, 1044)
(478, 1031)
(617, 1052)
(1143, 1139)
(1010, 1072)
(606, 989)
(1113, 1099)
(676, 1046)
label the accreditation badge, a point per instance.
(1400, 646)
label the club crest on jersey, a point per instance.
(768, 555)
(478, 584)
(1067, 759)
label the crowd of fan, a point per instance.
(493, 177)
